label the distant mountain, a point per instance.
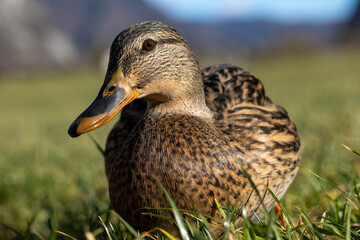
(28, 40)
(96, 23)
(48, 33)
(248, 38)
(93, 23)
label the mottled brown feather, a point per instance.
(198, 161)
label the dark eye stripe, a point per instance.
(112, 88)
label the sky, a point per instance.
(286, 11)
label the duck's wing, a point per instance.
(238, 100)
(262, 132)
(227, 86)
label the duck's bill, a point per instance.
(115, 94)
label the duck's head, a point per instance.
(149, 60)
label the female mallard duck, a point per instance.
(194, 129)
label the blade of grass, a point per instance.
(176, 213)
(256, 191)
(208, 229)
(356, 189)
(229, 214)
(39, 235)
(106, 228)
(199, 236)
(332, 230)
(168, 235)
(101, 150)
(271, 227)
(288, 219)
(53, 223)
(181, 210)
(253, 185)
(97, 231)
(276, 232)
(128, 226)
(11, 229)
(89, 236)
(310, 224)
(351, 150)
(336, 228)
(66, 235)
(158, 216)
(220, 208)
(348, 222)
(189, 227)
(112, 227)
(347, 195)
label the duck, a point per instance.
(208, 135)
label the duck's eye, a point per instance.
(149, 44)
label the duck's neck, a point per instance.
(186, 96)
(180, 106)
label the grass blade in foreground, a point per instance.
(311, 227)
(66, 235)
(229, 214)
(351, 150)
(126, 224)
(148, 233)
(105, 227)
(347, 195)
(178, 217)
(289, 221)
(348, 223)
(97, 145)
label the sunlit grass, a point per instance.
(47, 177)
(42, 168)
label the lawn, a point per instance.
(51, 181)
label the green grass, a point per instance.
(50, 181)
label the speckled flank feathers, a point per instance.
(202, 129)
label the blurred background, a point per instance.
(53, 57)
(42, 34)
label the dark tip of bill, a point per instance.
(73, 130)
